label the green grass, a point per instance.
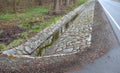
(38, 28)
(24, 35)
(82, 1)
(2, 46)
(29, 12)
(1, 31)
(12, 44)
(24, 25)
(79, 2)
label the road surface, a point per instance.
(112, 9)
(110, 62)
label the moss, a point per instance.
(67, 25)
(1, 31)
(54, 38)
(3, 47)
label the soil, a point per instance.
(53, 13)
(10, 33)
(10, 30)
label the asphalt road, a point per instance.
(110, 62)
(112, 10)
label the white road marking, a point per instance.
(110, 16)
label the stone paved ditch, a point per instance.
(63, 43)
(76, 37)
(71, 34)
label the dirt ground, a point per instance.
(9, 34)
(103, 40)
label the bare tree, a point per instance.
(67, 3)
(0, 6)
(40, 2)
(61, 2)
(56, 7)
(74, 1)
(14, 6)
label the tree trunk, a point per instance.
(61, 2)
(67, 3)
(15, 7)
(74, 1)
(56, 6)
(0, 6)
(40, 2)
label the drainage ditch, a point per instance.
(53, 38)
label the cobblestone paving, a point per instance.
(77, 37)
